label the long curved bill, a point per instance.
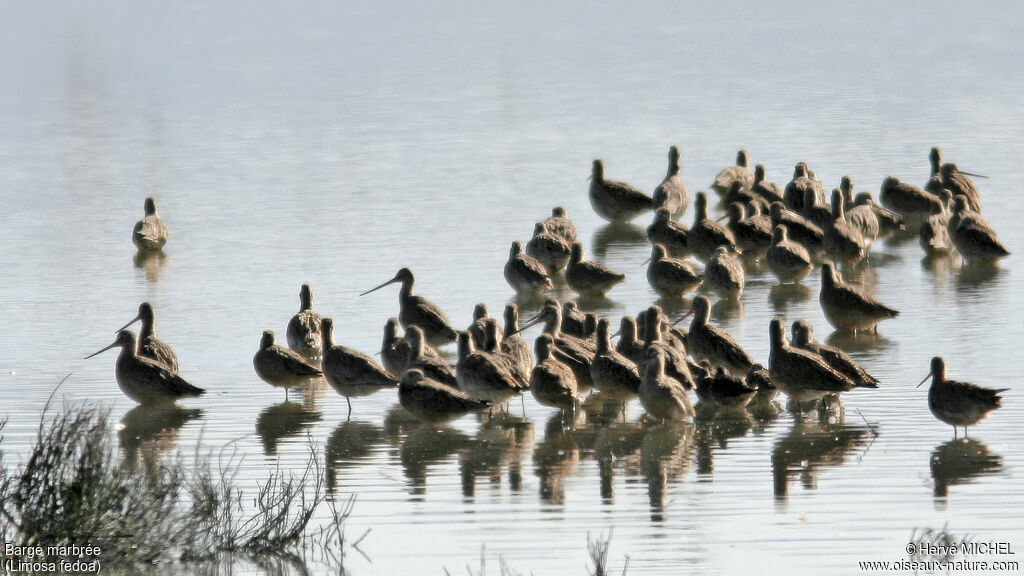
(392, 281)
(925, 380)
(684, 317)
(115, 344)
(531, 322)
(133, 321)
(972, 175)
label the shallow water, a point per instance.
(332, 145)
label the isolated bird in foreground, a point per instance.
(959, 403)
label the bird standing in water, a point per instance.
(418, 311)
(142, 379)
(150, 234)
(149, 345)
(959, 403)
(303, 333)
(616, 201)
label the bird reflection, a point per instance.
(782, 296)
(862, 341)
(428, 444)
(351, 442)
(284, 420)
(502, 440)
(674, 307)
(715, 426)
(554, 459)
(665, 456)
(152, 430)
(150, 262)
(617, 445)
(977, 277)
(939, 265)
(398, 423)
(620, 234)
(959, 461)
(810, 445)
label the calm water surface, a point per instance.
(333, 144)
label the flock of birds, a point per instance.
(790, 229)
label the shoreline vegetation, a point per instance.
(75, 499)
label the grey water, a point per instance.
(333, 143)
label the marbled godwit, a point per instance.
(849, 307)
(888, 221)
(673, 235)
(819, 214)
(589, 278)
(576, 353)
(758, 377)
(513, 343)
(432, 366)
(909, 200)
(839, 360)
(149, 345)
(613, 373)
(767, 190)
(934, 233)
(706, 341)
(720, 389)
(934, 184)
(676, 365)
(629, 346)
(753, 233)
(802, 375)
(842, 239)
(552, 383)
(706, 234)
(802, 181)
(574, 320)
(348, 371)
(671, 194)
(434, 401)
(724, 274)
(958, 403)
(788, 260)
(524, 273)
(281, 366)
(493, 344)
(798, 228)
(663, 397)
(418, 311)
(671, 277)
(739, 173)
(303, 333)
(861, 216)
(616, 201)
(150, 233)
(487, 376)
(560, 224)
(746, 196)
(550, 249)
(394, 351)
(959, 183)
(478, 329)
(973, 237)
(142, 379)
